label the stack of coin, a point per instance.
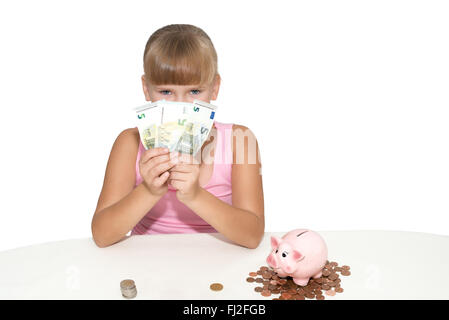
(272, 284)
(128, 288)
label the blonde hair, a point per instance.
(180, 54)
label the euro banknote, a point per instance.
(178, 126)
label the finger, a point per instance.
(179, 176)
(160, 168)
(175, 154)
(150, 153)
(153, 162)
(185, 158)
(176, 184)
(159, 181)
(181, 167)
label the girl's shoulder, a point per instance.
(243, 137)
(235, 126)
(128, 139)
(239, 129)
(120, 170)
(131, 135)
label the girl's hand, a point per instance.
(185, 178)
(154, 165)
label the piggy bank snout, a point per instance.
(271, 261)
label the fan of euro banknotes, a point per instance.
(178, 126)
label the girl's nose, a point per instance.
(180, 98)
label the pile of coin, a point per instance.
(271, 284)
(128, 288)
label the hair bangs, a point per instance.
(180, 59)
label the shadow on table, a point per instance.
(215, 235)
(123, 239)
(221, 237)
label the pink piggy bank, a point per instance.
(300, 254)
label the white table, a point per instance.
(384, 265)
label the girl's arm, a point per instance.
(242, 222)
(121, 206)
(111, 224)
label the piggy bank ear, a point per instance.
(297, 256)
(275, 242)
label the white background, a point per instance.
(348, 100)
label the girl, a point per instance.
(152, 191)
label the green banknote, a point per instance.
(149, 118)
(178, 126)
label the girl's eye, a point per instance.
(195, 90)
(284, 254)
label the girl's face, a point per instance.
(181, 93)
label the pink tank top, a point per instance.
(169, 215)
